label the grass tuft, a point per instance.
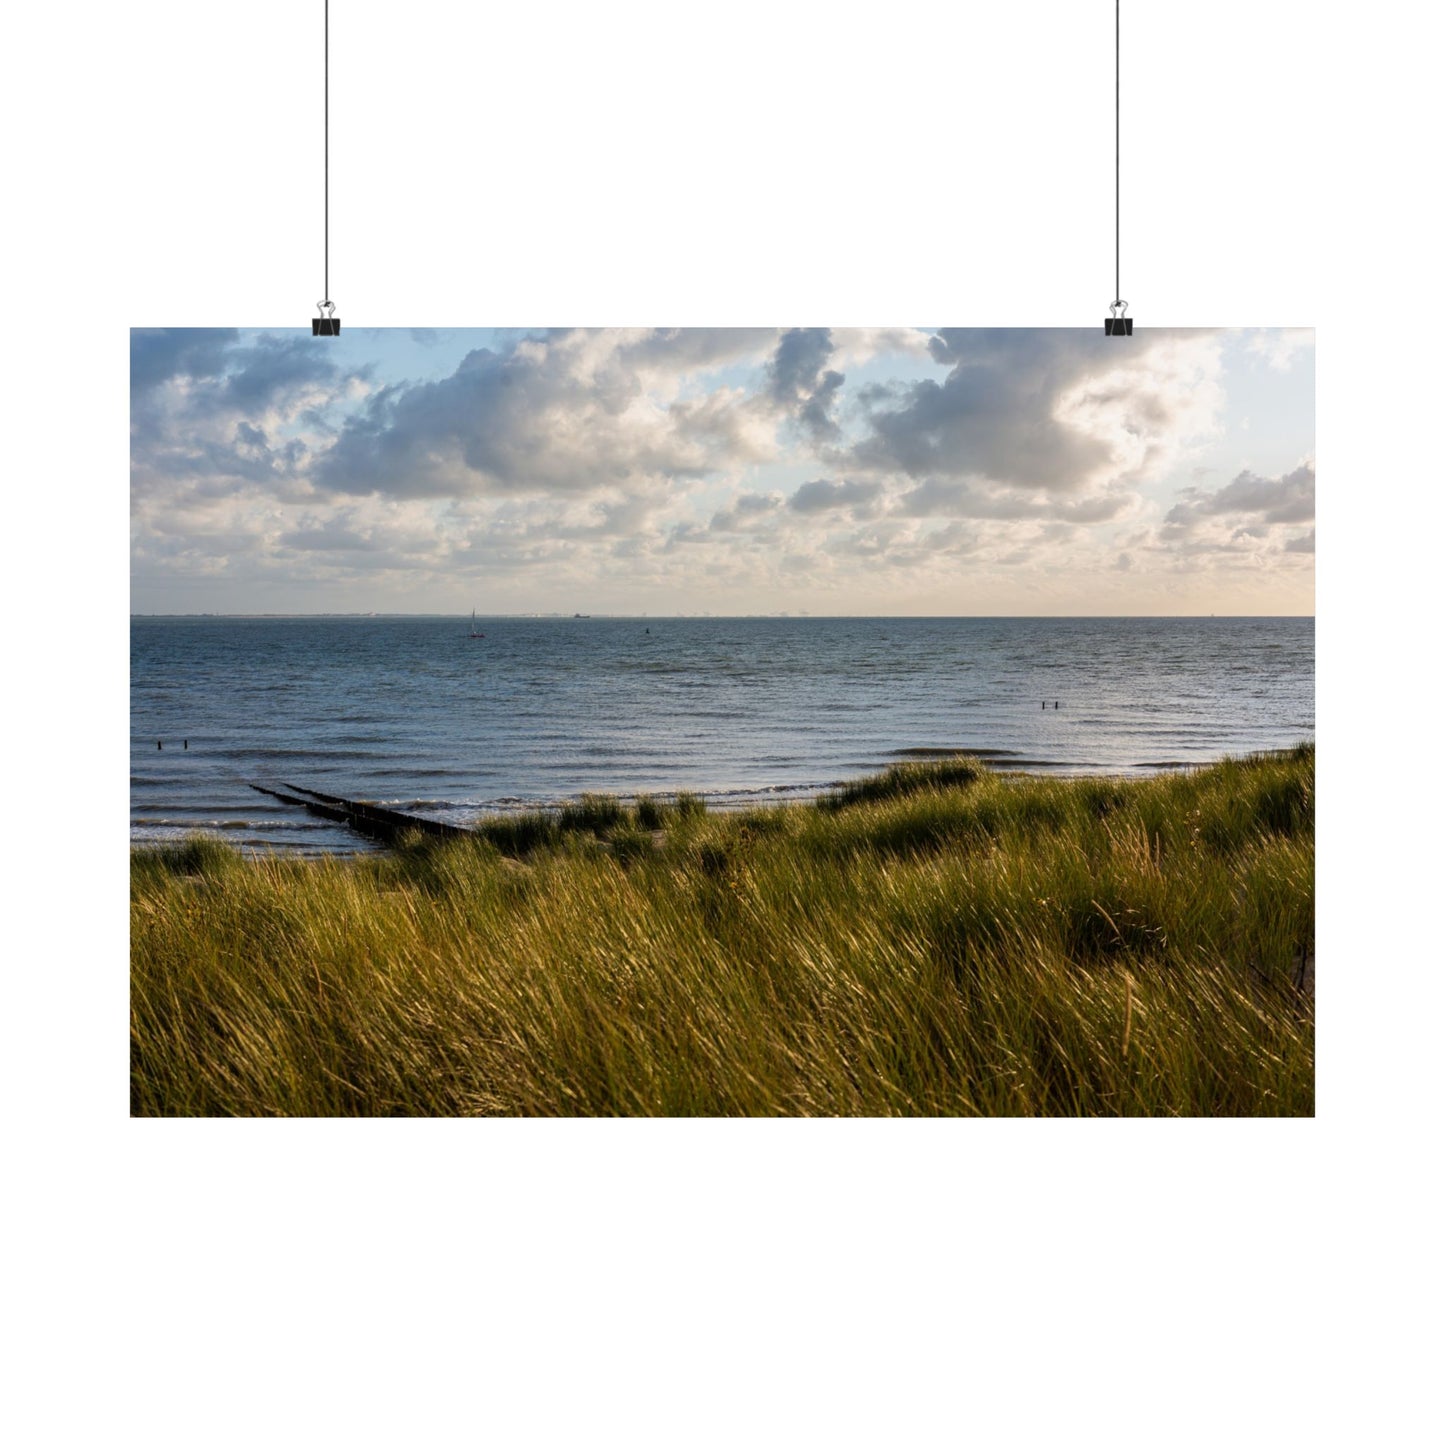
(650, 812)
(595, 813)
(901, 780)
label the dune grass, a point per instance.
(943, 940)
(900, 780)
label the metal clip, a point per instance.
(1119, 325)
(328, 323)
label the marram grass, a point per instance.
(942, 940)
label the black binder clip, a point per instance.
(327, 324)
(1119, 325)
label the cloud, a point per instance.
(827, 496)
(1049, 411)
(800, 385)
(218, 409)
(672, 350)
(569, 412)
(1280, 346)
(286, 373)
(329, 535)
(1289, 498)
(1250, 522)
(747, 512)
(195, 375)
(855, 345)
(196, 353)
(952, 497)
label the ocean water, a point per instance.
(411, 712)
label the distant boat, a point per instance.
(474, 632)
(582, 614)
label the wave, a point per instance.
(952, 752)
(192, 825)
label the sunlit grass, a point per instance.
(944, 940)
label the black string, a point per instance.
(326, 167)
(1117, 292)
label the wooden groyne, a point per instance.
(371, 820)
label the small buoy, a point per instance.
(186, 745)
(158, 745)
(1056, 707)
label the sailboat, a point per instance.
(474, 632)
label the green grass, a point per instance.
(940, 940)
(901, 780)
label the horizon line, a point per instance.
(778, 616)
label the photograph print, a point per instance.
(702, 722)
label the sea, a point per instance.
(415, 713)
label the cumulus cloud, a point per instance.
(214, 410)
(747, 512)
(1251, 522)
(801, 384)
(827, 496)
(854, 345)
(953, 497)
(195, 353)
(1289, 498)
(331, 534)
(1046, 411)
(194, 376)
(569, 412)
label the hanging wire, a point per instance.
(1118, 323)
(325, 323)
(326, 163)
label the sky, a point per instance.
(883, 471)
